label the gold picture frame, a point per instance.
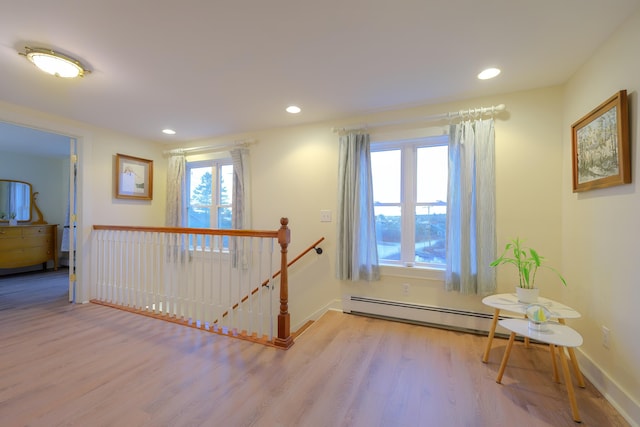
(134, 178)
(600, 146)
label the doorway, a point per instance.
(46, 160)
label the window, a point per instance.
(210, 193)
(410, 194)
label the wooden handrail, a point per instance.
(187, 230)
(293, 261)
(276, 274)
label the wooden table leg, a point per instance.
(569, 385)
(576, 368)
(505, 358)
(492, 331)
(552, 348)
(574, 362)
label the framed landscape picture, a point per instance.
(600, 146)
(134, 178)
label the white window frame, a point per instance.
(216, 165)
(408, 194)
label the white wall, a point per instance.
(600, 231)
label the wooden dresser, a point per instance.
(26, 245)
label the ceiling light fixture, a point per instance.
(293, 109)
(489, 73)
(169, 131)
(54, 63)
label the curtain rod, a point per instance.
(494, 109)
(211, 148)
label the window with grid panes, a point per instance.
(410, 195)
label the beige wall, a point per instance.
(295, 175)
(600, 231)
(96, 184)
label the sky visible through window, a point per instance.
(196, 178)
(432, 168)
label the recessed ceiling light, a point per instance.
(489, 73)
(169, 131)
(54, 63)
(293, 109)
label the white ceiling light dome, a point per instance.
(54, 63)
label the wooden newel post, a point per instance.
(284, 339)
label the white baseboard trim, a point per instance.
(333, 305)
(618, 397)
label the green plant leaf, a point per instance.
(526, 260)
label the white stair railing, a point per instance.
(209, 279)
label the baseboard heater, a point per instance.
(441, 317)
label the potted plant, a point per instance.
(527, 261)
(12, 219)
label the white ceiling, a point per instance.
(209, 67)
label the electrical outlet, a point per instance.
(405, 289)
(325, 216)
(605, 336)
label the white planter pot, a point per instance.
(13, 222)
(527, 296)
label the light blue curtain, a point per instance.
(471, 240)
(241, 213)
(175, 215)
(357, 252)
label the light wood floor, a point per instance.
(89, 365)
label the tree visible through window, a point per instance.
(210, 191)
(410, 193)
